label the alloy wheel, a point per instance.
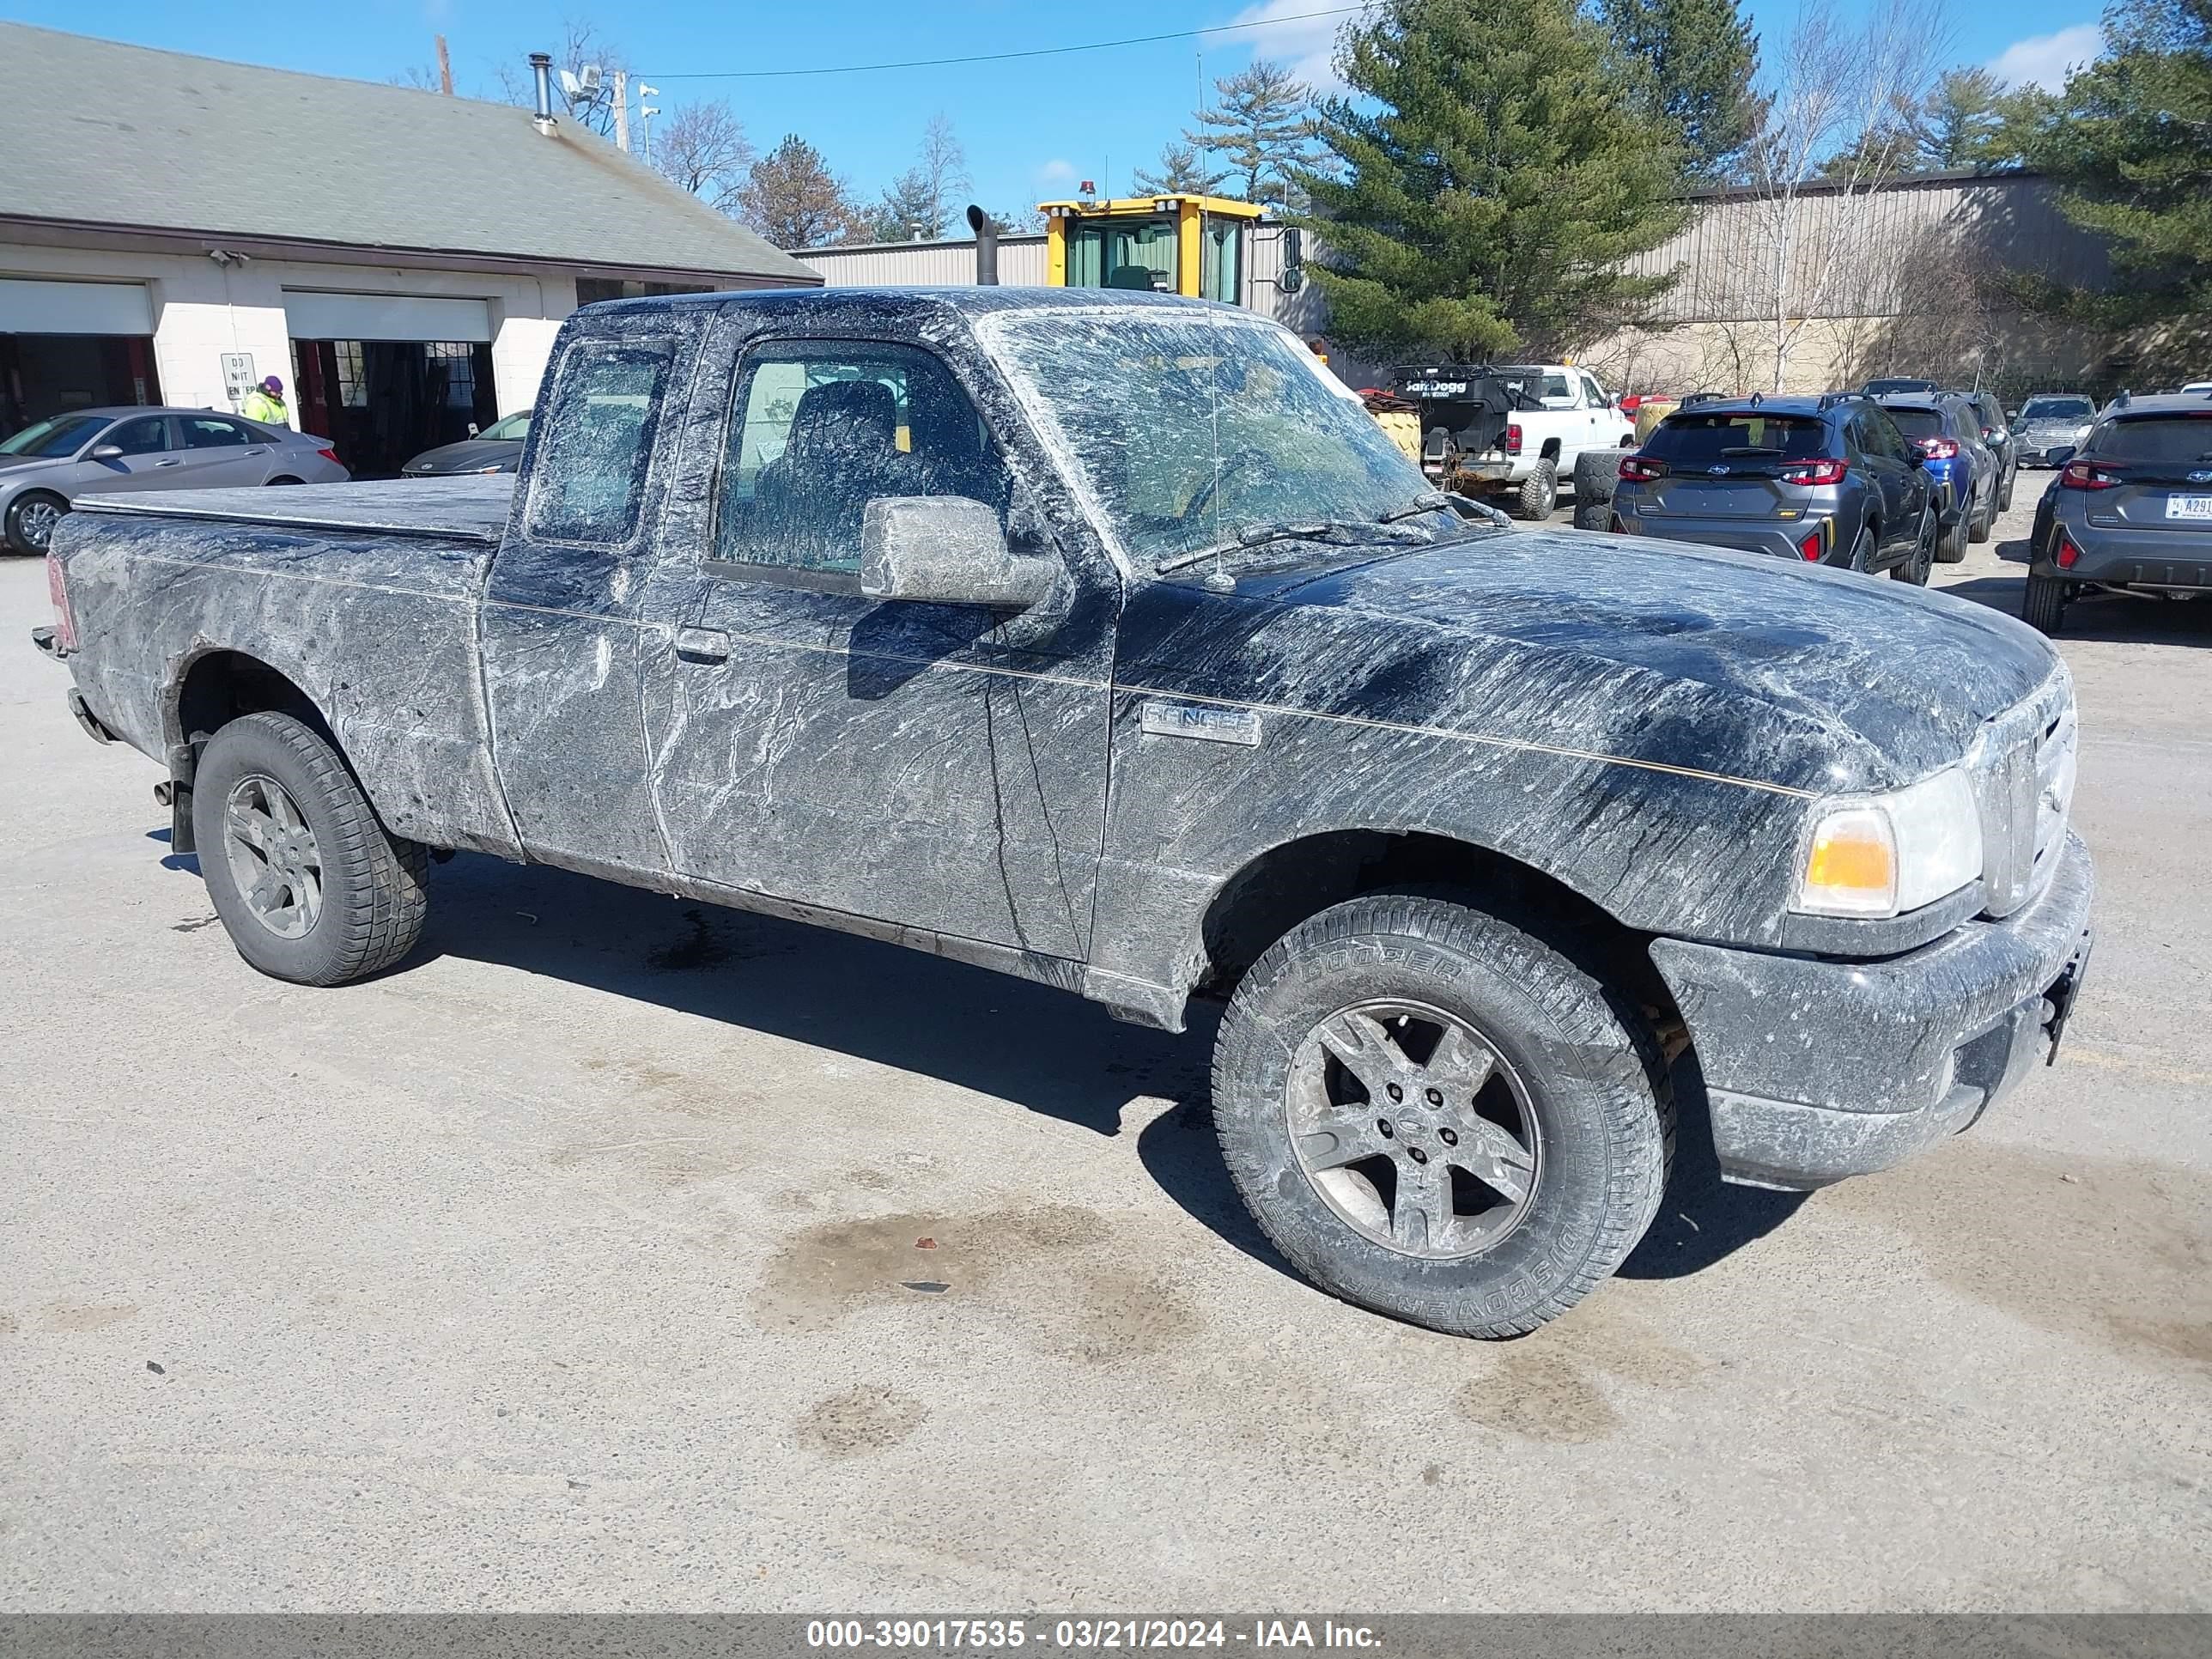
(274, 860)
(1414, 1129)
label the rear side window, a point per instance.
(2168, 440)
(1740, 436)
(589, 476)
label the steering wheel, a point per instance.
(1257, 462)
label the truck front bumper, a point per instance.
(1818, 1069)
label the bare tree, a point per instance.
(416, 77)
(1828, 138)
(790, 196)
(702, 148)
(923, 202)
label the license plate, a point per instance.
(2188, 506)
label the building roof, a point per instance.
(115, 137)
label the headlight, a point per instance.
(1883, 855)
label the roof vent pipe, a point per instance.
(987, 246)
(541, 72)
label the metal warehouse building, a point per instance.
(172, 228)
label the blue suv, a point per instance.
(1948, 430)
(1827, 480)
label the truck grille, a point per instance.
(2022, 768)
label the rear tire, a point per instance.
(1861, 555)
(1540, 492)
(2004, 495)
(310, 885)
(1575, 1113)
(30, 526)
(1951, 542)
(2043, 605)
(1978, 522)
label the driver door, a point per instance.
(938, 766)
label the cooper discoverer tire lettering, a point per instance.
(1531, 1125)
(310, 885)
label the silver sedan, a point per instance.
(50, 463)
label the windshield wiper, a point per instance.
(1429, 500)
(1341, 532)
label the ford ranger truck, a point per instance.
(1103, 640)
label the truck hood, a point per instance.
(1660, 653)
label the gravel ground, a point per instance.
(568, 1268)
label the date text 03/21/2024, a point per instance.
(984, 1634)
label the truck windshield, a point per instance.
(60, 435)
(1190, 427)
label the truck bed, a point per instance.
(464, 509)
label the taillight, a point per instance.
(1513, 438)
(1814, 472)
(2081, 475)
(64, 618)
(330, 455)
(1809, 549)
(1642, 469)
(2067, 553)
(1939, 449)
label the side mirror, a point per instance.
(472, 429)
(108, 452)
(2059, 454)
(947, 549)
(1292, 276)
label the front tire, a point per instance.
(310, 885)
(2043, 605)
(1540, 492)
(28, 528)
(1436, 1115)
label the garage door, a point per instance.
(384, 317)
(28, 307)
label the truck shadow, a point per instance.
(1046, 1051)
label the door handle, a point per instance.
(702, 645)
(168, 462)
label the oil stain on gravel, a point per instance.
(2076, 1246)
(1545, 1387)
(1073, 1281)
(859, 1422)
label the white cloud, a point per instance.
(1305, 44)
(2042, 60)
(1056, 171)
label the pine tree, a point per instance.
(1961, 124)
(1487, 203)
(1181, 169)
(2129, 142)
(1261, 129)
(1697, 58)
(792, 198)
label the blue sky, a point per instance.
(1032, 128)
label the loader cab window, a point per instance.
(1220, 242)
(1126, 253)
(823, 428)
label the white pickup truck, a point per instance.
(1551, 413)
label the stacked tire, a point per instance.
(1598, 474)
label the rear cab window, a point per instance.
(1696, 439)
(589, 473)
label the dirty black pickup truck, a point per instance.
(1104, 641)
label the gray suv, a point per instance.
(1827, 480)
(2131, 508)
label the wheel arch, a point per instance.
(1551, 450)
(214, 685)
(1284, 884)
